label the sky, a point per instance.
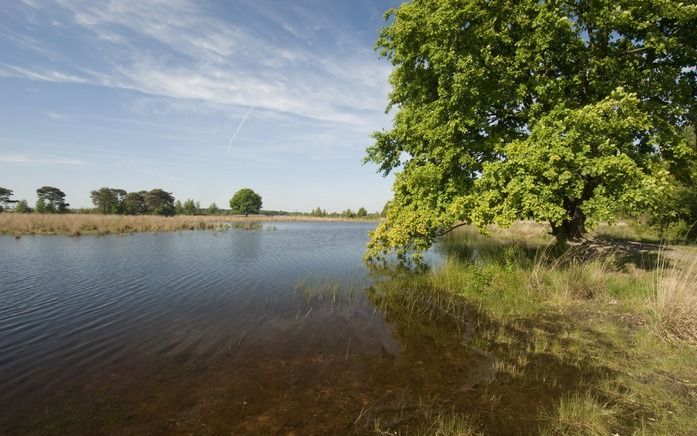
(197, 97)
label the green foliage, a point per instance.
(348, 213)
(51, 200)
(189, 207)
(675, 216)
(548, 110)
(318, 212)
(40, 205)
(213, 209)
(159, 202)
(362, 213)
(134, 203)
(385, 208)
(23, 207)
(245, 201)
(5, 198)
(108, 200)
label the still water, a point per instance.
(266, 331)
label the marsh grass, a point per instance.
(673, 300)
(80, 224)
(580, 414)
(586, 341)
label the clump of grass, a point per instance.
(247, 225)
(580, 414)
(573, 275)
(451, 424)
(673, 300)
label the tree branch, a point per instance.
(445, 232)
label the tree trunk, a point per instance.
(571, 229)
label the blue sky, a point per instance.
(198, 97)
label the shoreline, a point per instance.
(13, 224)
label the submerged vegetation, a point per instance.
(600, 339)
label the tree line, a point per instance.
(115, 201)
(106, 201)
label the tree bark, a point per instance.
(572, 229)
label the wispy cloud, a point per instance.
(181, 49)
(46, 75)
(24, 159)
(56, 116)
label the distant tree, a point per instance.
(159, 202)
(362, 213)
(53, 200)
(40, 206)
(213, 209)
(318, 212)
(108, 200)
(189, 207)
(23, 207)
(5, 200)
(348, 213)
(245, 201)
(178, 208)
(134, 203)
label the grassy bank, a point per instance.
(599, 340)
(82, 224)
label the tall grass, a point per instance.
(673, 300)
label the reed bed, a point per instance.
(80, 224)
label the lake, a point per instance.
(264, 331)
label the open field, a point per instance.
(82, 224)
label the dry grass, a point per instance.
(673, 300)
(78, 224)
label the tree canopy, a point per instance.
(245, 201)
(23, 207)
(134, 203)
(108, 200)
(159, 202)
(558, 111)
(51, 200)
(6, 198)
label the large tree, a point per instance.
(159, 202)
(134, 203)
(6, 198)
(108, 200)
(557, 111)
(51, 200)
(245, 201)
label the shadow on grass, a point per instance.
(469, 246)
(503, 374)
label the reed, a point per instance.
(79, 224)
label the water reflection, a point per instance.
(244, 331)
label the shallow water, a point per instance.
(244, 331)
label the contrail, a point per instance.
(237, 132)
